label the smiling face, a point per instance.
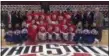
(68, 16)
(49, 20)
(34, 26)
(71, 29)
(64, 21)
(97, 9)
(56, 29)
(54, 17)
(65, 26)
(33, 21)
(17, 25)
(29, 18)
(9, 25)
(60, 17)
(42, 29)
(42, 17)
(24, 23)
(36, 17)
(50, 27)
(41, 22)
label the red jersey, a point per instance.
(36, 16)
(56, 28)
(53, 17)
(29, 18)
(64, 28)
(72, 28)
(42, 23)
(42, 29)
(37, 22)
(47, 18)
(67, 16)
(32, 32)
(60, 18)
(28, 21)
(50, 29)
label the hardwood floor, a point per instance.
(105, 37)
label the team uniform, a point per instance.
(42, 33)
(49, 32)
(93, 36)
(60, 18)
(29, 20)
(64, 31)
(67, 17)
(78, 35)
(36, 16)
(17, 36)
(9, 36)
(54, 16)
(24, 33)
(56, 32)
(42, 17)
(86, 35)
(71, 33)
(32, 32)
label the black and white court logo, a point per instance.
(54, 49)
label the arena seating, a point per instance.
(53, 7)
(72, 7)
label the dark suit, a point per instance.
(83, 20)
(14, 20)
(89, 16)
(75, 19)
(4, 18)
(20, 19)
(98, 18)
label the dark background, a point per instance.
(55, 2)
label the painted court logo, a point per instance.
(54, 50)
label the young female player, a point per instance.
(56, 33)
(17, 34)
(42, 33)
(49, 32)
(32, 33)
(9, 35)
(24, 31)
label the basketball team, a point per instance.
(77, 26)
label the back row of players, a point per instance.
(52, 27)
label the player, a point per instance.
(85, 35)
(78, 35)
(56, 33)
(17, 35)
(9, 35)
(93, 36)
(60, 18)
(48, 20)
(71, 33)
(64, 31)
(36, 16)
(24, 32)
(29, 20)
(42, 33)
(32, 33)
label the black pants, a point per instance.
(99, 37)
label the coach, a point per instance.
(98, 19)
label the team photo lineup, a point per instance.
(73, 26)
(53, 26)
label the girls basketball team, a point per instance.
(52, 26)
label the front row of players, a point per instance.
(19, 35)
